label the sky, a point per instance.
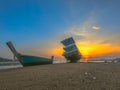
(36, 27)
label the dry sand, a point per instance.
(76, 76)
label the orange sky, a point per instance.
(90, 50)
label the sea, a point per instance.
(18, 65)
(3, 67)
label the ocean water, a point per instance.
(54, 62)
(2, 67)
(9, 66)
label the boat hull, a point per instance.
(32, 60)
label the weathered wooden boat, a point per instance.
(71, 51)
(26, 60)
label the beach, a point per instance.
(69, 76)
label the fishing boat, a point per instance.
(27, 60)
(71, 51)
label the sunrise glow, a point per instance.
(88, 51)
(91, 51)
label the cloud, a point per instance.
(95, 27)
(82, 31)
(79, 37)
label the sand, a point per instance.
(72, 76)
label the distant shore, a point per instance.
(71, 76)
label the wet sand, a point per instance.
(72, 76)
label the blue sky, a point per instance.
(36, 27)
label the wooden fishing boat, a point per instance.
(26, 60)
(71, 51)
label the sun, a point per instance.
(85, 51)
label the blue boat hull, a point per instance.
(32, 60)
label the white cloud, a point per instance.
(95, 27)
(82, 31)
